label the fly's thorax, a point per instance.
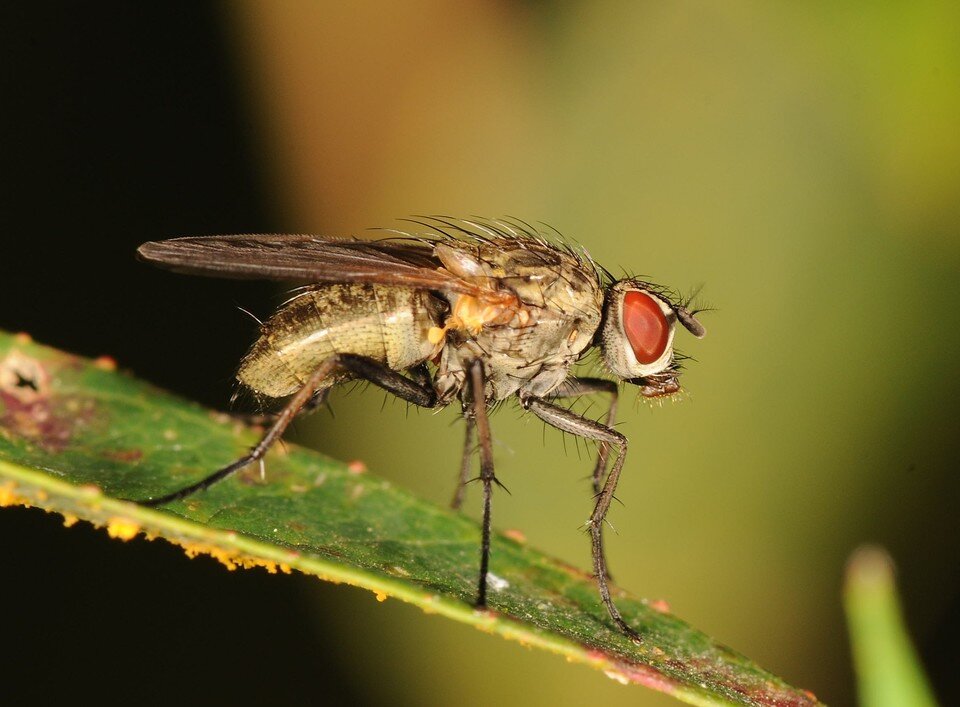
(530, 342)
(540, 275)
(387, 324)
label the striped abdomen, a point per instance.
(387, 324)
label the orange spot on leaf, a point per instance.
(105, 363)
(122, 529)
(515, 534)
(7, 495)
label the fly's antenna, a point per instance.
(687, 313)
(692, 303)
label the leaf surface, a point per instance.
(77, 437)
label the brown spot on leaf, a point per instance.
(127, 456)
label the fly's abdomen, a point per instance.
(387, 324)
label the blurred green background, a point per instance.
(801, 161)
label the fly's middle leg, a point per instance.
(465, 461)
(487, 478)
(415, 392)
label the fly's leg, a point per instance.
(464, 462)
(264, 418)
(567, 421)
(418, 392)
(358, 366)
(421, 376)
(575, 387)
(487, 478)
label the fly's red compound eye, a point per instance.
(645, 325)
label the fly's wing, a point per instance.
(405, 263)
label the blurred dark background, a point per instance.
(804, 163)
(126, 122)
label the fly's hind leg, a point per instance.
(416, 392)
(261, 419)
(568, 421)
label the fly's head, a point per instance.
(636, 338)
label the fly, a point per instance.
(477, 312)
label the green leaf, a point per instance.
(76, 437)
(889, 673)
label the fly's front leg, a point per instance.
(574, 388)
(359, 366)
(487, 478)
(567, 421)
